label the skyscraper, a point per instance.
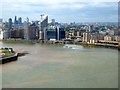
(9, 27)
(43, 25)
(44, 22)
(19, 20)
(26, 25)
(60, 33)
(1, 20)
(10, 23)
(53, 22)
(27, 19)
(15, 20)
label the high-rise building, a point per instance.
(93, 38)
(1, 34)
(1, 20)
(26, 25)
(86, 37)
(60, 33)
(33, 32)
(54, 33)
(50, 33)
(43, 25)
(27, 19)
(17, 33)
(19, 20)
(10, 23)
(9, 27)
(53, 22)
(36, 23)
(44, 22)
(90, 28)
(15, 20)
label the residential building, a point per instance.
(33, 32)
(86, 37)
(107, 38)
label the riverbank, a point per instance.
(62, 43)
(16, 41)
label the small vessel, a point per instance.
(7, 55)
(69, 46)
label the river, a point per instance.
(52, 66)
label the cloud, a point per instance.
(62, 10)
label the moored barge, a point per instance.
(7, 55)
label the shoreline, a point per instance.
(62, 43)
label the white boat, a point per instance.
(72, 46)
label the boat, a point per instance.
(7, 55)
(69, 46)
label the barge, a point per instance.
(7, 55)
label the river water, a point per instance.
(52, 66)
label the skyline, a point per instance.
(62, 11)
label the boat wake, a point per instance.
(69, 46)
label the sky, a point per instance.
(63, 11)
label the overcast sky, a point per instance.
(65, 11)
